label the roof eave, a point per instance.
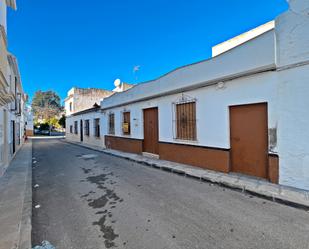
(12, 4)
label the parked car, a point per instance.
(45, 132)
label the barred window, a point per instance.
(111, 124)
(126, 129)
(71, 128)
(87, 132)
(75, 127)
(97, 127)
(186, 121)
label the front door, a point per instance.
(151, 131)
(13, 136)
(249, 139)
(81, 131)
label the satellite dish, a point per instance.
(117, 82)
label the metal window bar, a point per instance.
(97, 127)
(75, 127)
(185, 120)
(111, 124)
(87, 130)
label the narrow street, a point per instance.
(90, 200)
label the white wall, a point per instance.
(29, 120)
(292, 34)
(293, 126)
(212, 109)
(3, 10)
(91, 139)
(292, 54)
(67, 102)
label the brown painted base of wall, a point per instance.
(124, 144)
(29, 133)
(273, 168)
(204, 157)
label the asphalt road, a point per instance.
(90, 200)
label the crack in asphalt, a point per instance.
(106, 201)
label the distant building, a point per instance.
(83, 105)
(29, 121)
(80, 99)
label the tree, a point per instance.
(62, 121)
(46, 105)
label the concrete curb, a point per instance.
(287, 195)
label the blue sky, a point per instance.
(61, 44)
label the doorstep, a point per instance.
(279, 193)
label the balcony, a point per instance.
(6, 94)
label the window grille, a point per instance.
(97, 127)
(75, 127)
(185, 119)
(87, 132)
(126, 129)
(111, 124)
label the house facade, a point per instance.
(80, 99)
(12, 96)
(244, 111)
(83, 113)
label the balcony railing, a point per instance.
(6, 94)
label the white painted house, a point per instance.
(244, 111)
(83, 113)
(12, 96)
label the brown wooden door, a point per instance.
(81, 131)
(151, 131)
(249, 139)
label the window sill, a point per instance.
(126, 135)
(183, 141)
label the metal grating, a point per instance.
(184, 121)
(111, 123)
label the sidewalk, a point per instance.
(283, 194)
(16, 201)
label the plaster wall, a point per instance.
(91, 139)
(83, 99)
(293, 126)
(292, 36)
(212, 110)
